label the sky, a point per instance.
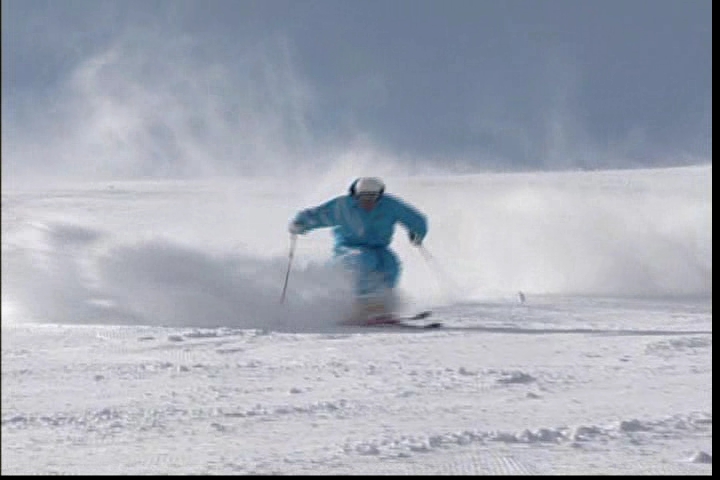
(185, 89)
(143, 332)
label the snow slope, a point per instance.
(142, 332)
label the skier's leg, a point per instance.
(390, 266)
(362, 264)
(389, 271)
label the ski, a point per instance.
(390, 320)
(416, 326)
(418, 316)
(404, 321)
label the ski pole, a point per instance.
(293, 238)
(441, 272)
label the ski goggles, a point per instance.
(368, 197)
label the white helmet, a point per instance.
(368, 186)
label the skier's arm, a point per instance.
(414, 221)
(325, 215)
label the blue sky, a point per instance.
(173, 87)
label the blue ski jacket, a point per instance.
(356, 227)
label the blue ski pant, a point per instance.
(374, 269)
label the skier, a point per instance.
(364, 221)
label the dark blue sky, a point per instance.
(508, 84)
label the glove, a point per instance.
(415, 238)
(297, 228)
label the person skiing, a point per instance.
(363, 224)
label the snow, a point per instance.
(142, 331)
